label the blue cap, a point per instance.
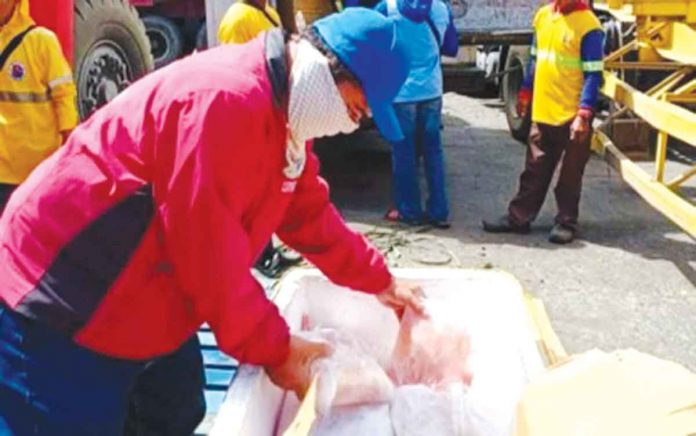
(366, 42)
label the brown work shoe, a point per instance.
(561, 234)
(503, 225)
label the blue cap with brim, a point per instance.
(366, 42)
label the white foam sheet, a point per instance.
(503, 359)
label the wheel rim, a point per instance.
(108, 72)
(158, 42)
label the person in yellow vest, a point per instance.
(562, 87)
(245, 19)
(37, 95)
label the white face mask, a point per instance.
(316, 106)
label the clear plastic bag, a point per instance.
(349, 377)
(432, 350)
(372, 420)
(419, 410)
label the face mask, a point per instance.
(316, 107)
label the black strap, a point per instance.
(253, 4)
(438, 38)
(277, 65)
(12, 46)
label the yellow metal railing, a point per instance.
(665, 40)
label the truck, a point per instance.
(106, 42)
(174, 27)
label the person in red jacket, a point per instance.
(146, 223)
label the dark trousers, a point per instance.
(167, 397)
(5, 192)
(49, 385)
(547, 146)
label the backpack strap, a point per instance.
(12, 46)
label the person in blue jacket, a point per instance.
(421, 25)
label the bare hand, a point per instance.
(400, 295)
(579, 129)
(295, 373)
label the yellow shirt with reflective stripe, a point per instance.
(242, 23)
(558, 79)
(37, 98)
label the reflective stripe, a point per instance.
(24, 97)
(559, 60)
(60, 81)
(533, 51)
(593, 66)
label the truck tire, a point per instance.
(111, 51)
(166, 39)
(202, 37)
(515, 65)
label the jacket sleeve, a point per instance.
(592, 55)
(313, 226)
(528, 80)
(60, 84)
(201, 209)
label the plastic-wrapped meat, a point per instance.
(373, 420)
(349, 377)
(431, 350)
(418, 410)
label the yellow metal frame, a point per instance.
(665, 40)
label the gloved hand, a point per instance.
(524, 100)
(580, 127)
(401, 294)
(295, 373)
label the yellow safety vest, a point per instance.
(559, 79)
(243, 22)
(37, 98)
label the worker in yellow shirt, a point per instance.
(245, 19)
(561, 91)
(37, 95)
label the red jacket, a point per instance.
(147, 222)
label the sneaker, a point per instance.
(561, 234)
(503, 225)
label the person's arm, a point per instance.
(313, 227)
(200, 205)
(59, 82)
(592, 55)
(524, 97)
